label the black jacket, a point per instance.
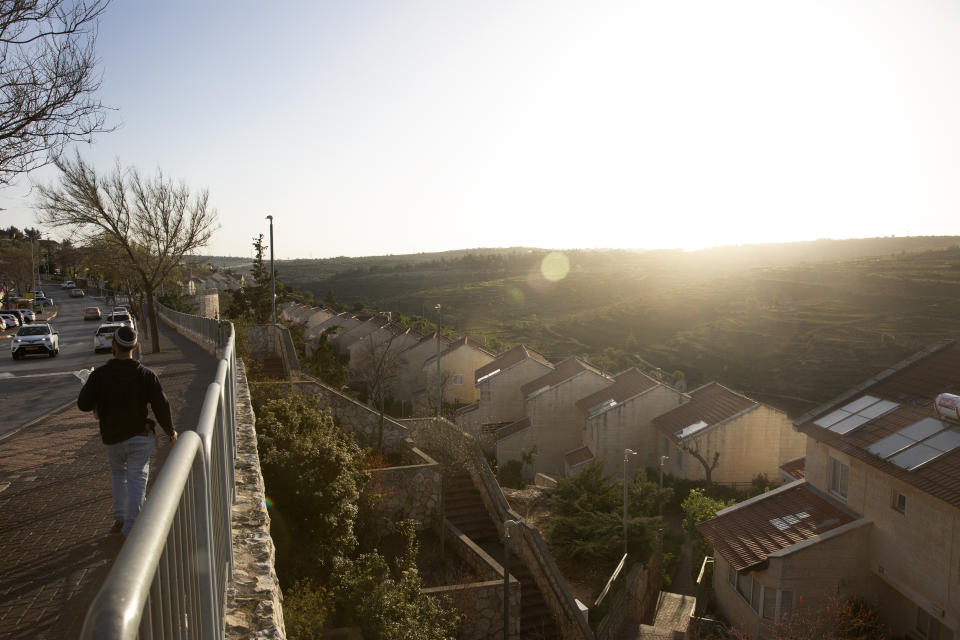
(120, 391)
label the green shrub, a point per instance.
(314, 475)
(511, 475)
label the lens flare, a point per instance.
(267, 501)
(555, 266)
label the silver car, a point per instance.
(35, 338)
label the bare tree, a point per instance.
(377, 366)
(702, 458)
(152, 222)
(48, 79)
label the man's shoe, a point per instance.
(117, 527)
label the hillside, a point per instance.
(790, 324)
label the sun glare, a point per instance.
(555, 266)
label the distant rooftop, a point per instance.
(709, 405)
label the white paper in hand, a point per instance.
(83, 374)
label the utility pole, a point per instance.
(439, 386)
(506, 576)
(626, 456)
(273, 278)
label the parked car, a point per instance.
(35, 338)
(91, 313)
(3, 324)
(28, 315)
(20, 315)
(69, 284)
(77, 293)
(10, 319)
(43, 301)
(104, 336)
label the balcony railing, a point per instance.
(170, 578)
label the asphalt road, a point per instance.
(36, 385)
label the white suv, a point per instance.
(104, 336)
(35, 338)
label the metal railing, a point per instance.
(170, 578)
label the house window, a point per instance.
(744, 585)
(898, 501)
(458, 380)
(786, 603)
(927, 626)
(732, 577)
(839, 477)
(755, 599)
(769, 603)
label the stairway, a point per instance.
(463, 507)
(272, 368)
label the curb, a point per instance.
(38, 419)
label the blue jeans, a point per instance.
(129, 468)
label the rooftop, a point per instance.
(563, 371)
(626, 385)
(709, 405)
(578, 457)
(747, 533)
(796, 469)
(890, 422)
(511, 429)
(508, 359)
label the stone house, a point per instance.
(412, 377)
(498, 385)
(364, 327)
(553, 422)
(458, 362)
(727, 436)
(393, 338)
(620, 416)
(877, 517)
(343, 321)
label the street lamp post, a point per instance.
(660, 500)
(273, 278)
(506, 575)
(439, 386)
(626, 456)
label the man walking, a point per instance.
(118, 394)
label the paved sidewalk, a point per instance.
(55, 504)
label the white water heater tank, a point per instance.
(948, 406)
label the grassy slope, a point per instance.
(790, 324)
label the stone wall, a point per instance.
(407, 492)
(209, 303)
(636, 600)
(354, 416)
(480, 603)
(253, 605)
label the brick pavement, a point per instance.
(55, 504)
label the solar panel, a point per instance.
(923, 429)
(913, 457)
(944, 441)
(860, 404)
(890, 445)
(831, 418)
(878, 409)
(849, 424)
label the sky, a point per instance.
(392, 127)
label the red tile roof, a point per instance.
(712, 403)
(796, 469)
(511, 429)
(913, 384)
(563, 371)
(626, 385)
(578, 456)
(510, 358)
(747, 533)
